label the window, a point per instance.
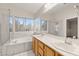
(23, 24)
(40, 24)
(28, 24)
(10, 23)
(19, 24)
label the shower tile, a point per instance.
(28, 46)
(4, 50)
(19, 48)
(27, 53)
(10, 49)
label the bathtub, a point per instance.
(19, 40)
(17, 45)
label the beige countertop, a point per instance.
(58, 43)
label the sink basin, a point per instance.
(44, 37)
(64, 46)
(73, 49)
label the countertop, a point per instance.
(58, 43)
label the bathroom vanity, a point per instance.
(50, 45)
(42, 49)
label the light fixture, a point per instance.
(76, 9)
(48, 6)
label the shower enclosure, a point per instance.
(16, 32)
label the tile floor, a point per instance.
(27, 53)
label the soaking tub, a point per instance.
(20, 43)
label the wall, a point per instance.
(4, 28)
(61, 16)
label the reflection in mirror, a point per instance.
(72, 28)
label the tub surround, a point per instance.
(19, 41)
(57, 44)
(16, 46)
(10, 50)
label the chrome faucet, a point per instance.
(68, 41)
(74, 37)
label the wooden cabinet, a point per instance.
(41, 45)
(48, 51)
(40, 52)
(41, 49)
(35, 45)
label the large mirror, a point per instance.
(72, 27)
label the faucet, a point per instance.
(74, 37)
(68, 41)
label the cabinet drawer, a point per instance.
(41, 45)
(40, 51)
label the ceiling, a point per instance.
(28, 7)
(34, 8)
(61, 6)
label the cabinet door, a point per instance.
(48, 51)
(34, 45)
(41, 45)
(40, 51)
(40, 48)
